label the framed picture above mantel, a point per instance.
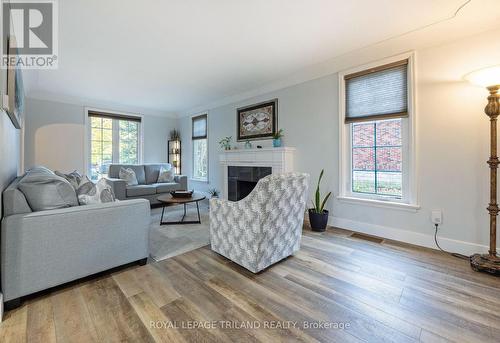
(258, 121)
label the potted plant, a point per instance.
(318, 216)
(214, 193)
(277, 138)
(225, 143)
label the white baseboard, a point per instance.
(416, 238)
(1, 307)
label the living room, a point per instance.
(250, 171)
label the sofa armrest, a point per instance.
(43, 249)
(119, 187)
(182, 180)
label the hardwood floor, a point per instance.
(386, 291)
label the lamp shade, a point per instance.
(485, 77)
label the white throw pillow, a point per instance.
(128, 175)
(91, 193)
(166, 174)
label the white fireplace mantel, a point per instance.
(281, 160)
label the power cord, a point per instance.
(454, 254)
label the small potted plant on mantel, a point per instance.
(318, 216)
(225, 143)
(277, 138)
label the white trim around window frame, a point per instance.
(410, 193)
(87, 132)
(192, 178)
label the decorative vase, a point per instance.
(318, 221)
(248, 145)
(277, 142)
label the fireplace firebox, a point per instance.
(242, 180)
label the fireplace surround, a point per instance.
(256, 163)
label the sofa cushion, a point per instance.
(94, 193)
(140, 190)
(166, 174)
(114, 171)
(74, 178)
(166, 187)
(153, 171)
(45, 190)
(14, 201)
(128, 175)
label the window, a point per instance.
(376, 130)
(112, 139)
(377, 159)
(200, 148)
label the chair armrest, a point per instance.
(182, 180)
(118, 186)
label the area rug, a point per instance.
(172, 240)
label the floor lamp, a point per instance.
(490, 78)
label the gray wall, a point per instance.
(452, 145)
(303, 111)
(55, 135)
(9, 153)
(9, 142)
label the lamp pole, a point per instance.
(490, 262)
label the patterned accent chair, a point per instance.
(263, 228)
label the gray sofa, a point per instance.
(40, 250)
(148, 188)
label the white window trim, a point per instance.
(410, 200)
(87, 138)
(192, 178)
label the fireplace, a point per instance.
(242, 180)
(242, 168)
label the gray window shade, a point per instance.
(200, 127)
(377, 93)
(114, 116)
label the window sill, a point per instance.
(198, 180)
(380, 203)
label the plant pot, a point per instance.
(277, 142)
(318, 220)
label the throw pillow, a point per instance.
(74, 178)
(128, 175)
(94, 193)
(47, 191)
(166, 174)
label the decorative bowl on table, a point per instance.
(182, 194)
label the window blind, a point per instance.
(114, 116)
(200, 127)
(377, 93)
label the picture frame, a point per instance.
(13, 101)
(257, 121)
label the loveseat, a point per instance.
(47, 248)
(147, 177)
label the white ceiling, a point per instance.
(172, 55)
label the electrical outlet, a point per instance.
(437, 216)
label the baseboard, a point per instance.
(1, 307)
(411, 237)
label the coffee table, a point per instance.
(169, 200)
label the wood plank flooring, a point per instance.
(380, 291)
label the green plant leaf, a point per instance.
(324, 201)
(317, 206)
